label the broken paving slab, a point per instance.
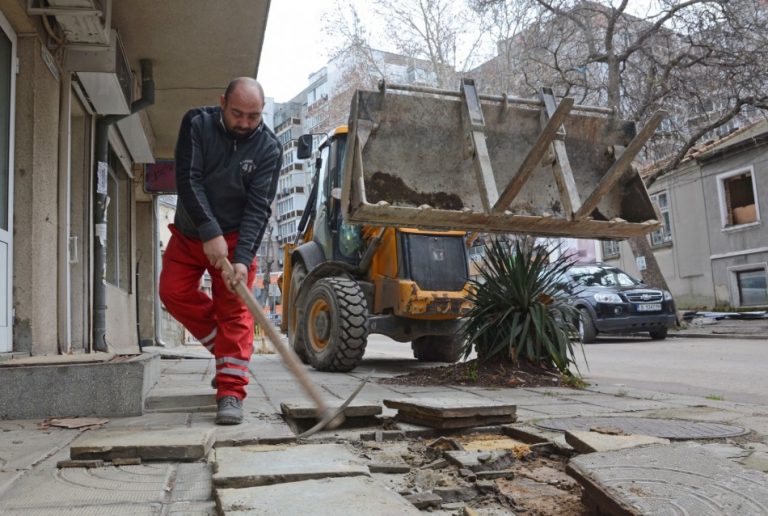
(481, 460)
(447, 408)
(452, 422)
(590, 442)
(320, 497)
(680, 478)
(304, 411)
(452, 414)
(249, 466)
(179, 444)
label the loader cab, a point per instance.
(339, 241)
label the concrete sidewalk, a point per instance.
(182, 405)
(724, 328)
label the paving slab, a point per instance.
(21, 449)
(255, 429)
(182, 444)
(481, 460)
(180, 399)
(757, 424)
(681, 478)
(180, 352)
(674, 429)
(80, 487)
(183, 489)
(249, 466)
(534, 436)
(155, 421)
(589, 442)
(323, 497)
(756, 460)
(308, 410)
(453, 422)
(697, 413)
(118, 509)
(625, 403)
(726, 451)
(569, 408)
(451, 407)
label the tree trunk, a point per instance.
(651, 275)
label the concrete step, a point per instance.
(102, 385)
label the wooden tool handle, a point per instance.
(287, 354)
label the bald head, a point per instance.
(246, 83)
(242, 105)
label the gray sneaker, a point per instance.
(230, 411)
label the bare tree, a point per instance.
(701, 60)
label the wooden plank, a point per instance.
(533, 158)
(561, 169)
(474, 124)
(611, 178)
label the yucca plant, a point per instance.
(519, 311)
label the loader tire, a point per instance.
(335, 325)
(295, 337)
(437, 348)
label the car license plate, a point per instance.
(649, 307)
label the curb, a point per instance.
(717, 336)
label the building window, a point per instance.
(118, 225)
(285, 137)
(752, 287)
(738, 198)
(610, 248)
(662, 235)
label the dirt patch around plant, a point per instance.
(484, 374)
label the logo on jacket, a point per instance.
(247, 166)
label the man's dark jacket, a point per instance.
(225, 183)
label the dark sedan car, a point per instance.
(611, 301)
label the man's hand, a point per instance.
(215, 249)
(241, 275)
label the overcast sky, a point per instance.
(294, 45)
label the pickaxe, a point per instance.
(329, 418)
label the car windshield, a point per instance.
(596, 276)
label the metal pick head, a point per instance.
(333, 417)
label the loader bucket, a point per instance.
(437, 159)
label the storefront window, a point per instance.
(118, 225)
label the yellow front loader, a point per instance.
(382, 242)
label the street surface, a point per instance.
(731, 369)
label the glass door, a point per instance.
(7, 85)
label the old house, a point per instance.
(90, 92)
(713, 246)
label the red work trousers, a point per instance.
(222, 323)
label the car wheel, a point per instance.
(659, 334)
(587, 330)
